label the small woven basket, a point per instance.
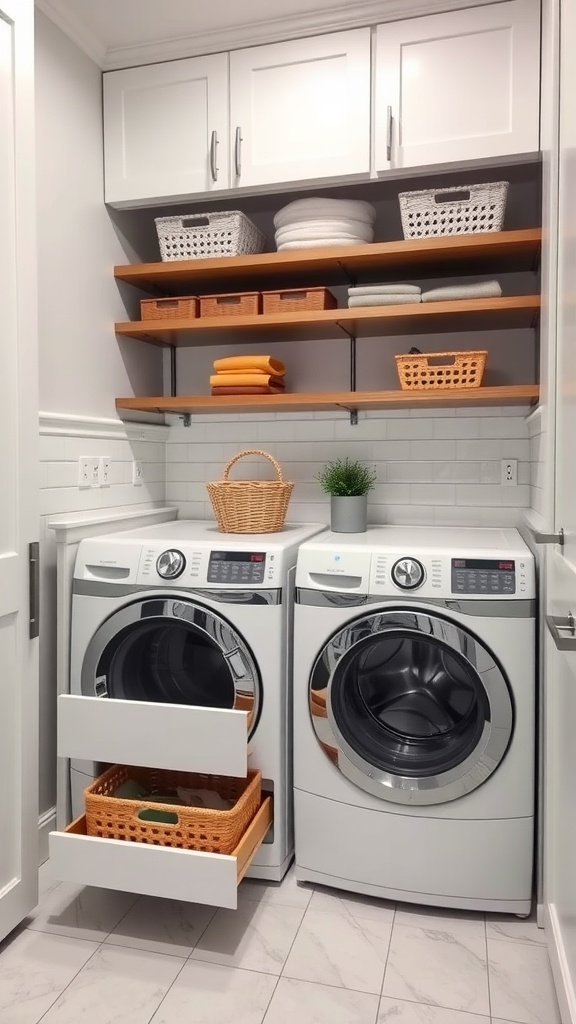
(441, 370)
(250, 506)
(296, 299)
(169, 309)
(202, 235)
(195, 828)
(235, 304)
(453, 211)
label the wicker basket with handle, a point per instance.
(464, 210)
(203, 235)
(193, 828)
(250, 506)
(418, 372)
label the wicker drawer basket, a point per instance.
(296, 299)
(466, 210)
(234, 304)
(169, 309)
(202, 235)
(419, 372)
(250, 506)
(193, 828)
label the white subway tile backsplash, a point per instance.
(478, 451)
(433, 451)
(456, 472)
(432, 494)
(459, 428)
(408, 429)
(503, 426)
(411, 472)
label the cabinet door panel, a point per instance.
(302, 109)
(159, 122)
(461, 86)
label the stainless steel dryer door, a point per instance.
(173, 651)
(411, 707)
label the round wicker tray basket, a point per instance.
(250, 506)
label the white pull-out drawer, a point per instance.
(172, 736)
(210, 878)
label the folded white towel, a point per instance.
(320, 243)
(485, 290)
(385, 289)
(326, 229)
(357, 209)
(382, 300)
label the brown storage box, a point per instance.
(169, 309)
(234, 304)
(194, 828)
(419, 372)
(296, 299)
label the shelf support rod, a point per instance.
(353, 412)
(349, 277)
(173, 378)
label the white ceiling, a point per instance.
(122, 33)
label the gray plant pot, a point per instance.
(349, 515)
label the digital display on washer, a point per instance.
(236, 566)
(483, 576)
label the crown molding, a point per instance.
(72, 26)
(234, 37)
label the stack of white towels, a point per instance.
(399, 294)
(313, 222)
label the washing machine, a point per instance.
(179, 654)
(414, 715)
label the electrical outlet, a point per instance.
(137, 473)
(509, 472)
(88, 471)
(104, 471)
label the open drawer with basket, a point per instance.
(151, 847)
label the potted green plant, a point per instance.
(347, 481)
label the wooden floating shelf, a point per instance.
(494, 252)
(519, 394)
(513, 311)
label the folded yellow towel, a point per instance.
(247, 364)
(238, 380)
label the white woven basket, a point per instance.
(201, 235)
(453, 211)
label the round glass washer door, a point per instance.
(411, 707)
(173, 651)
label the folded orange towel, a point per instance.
(267, 389)
(245, 364)
(248, 380)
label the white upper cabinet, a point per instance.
(166, 129)
(458, 86)
(301, 109)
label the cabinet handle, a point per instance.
(213, 152)
(34, 584)
(389, 133)
(563, 631)
(237, 152)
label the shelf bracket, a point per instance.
(173, 374)
(351, 278)
(186, 419)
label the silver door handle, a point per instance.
(213, 152)
(563, 631)
(389, 133)
(34, 584)
(237, 152)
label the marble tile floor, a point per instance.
(288, 954)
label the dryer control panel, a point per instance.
(485, 576)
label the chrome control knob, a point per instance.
(408, 573)
(170, 565)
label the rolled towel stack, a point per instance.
(309, 223)
(383, 295)
(248, 375)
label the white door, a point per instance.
(301, 109)
(458, 86)
(18, 469)
(166, 129)
(560, 678)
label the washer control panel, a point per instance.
(408, 573)
(483, 576)
(170, 564)
(236, 567)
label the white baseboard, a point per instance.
(563, 976)
(46, 824)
